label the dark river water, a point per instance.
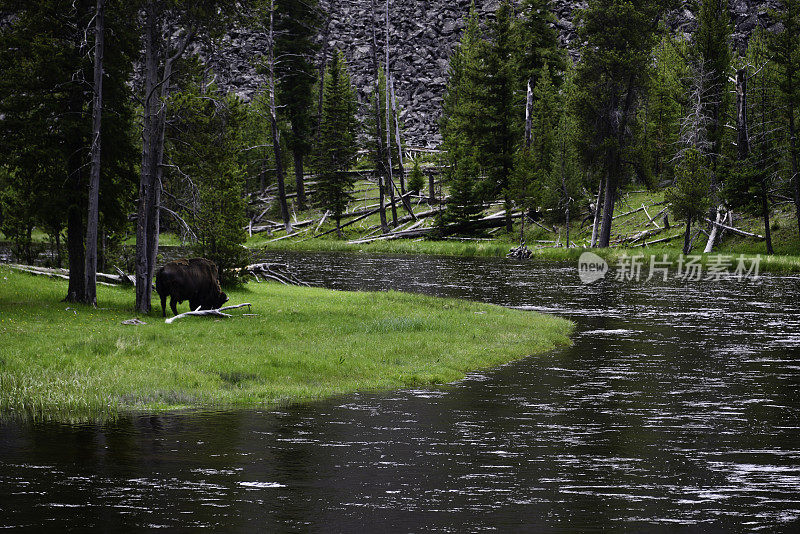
(676, 409)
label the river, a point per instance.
(677, 408)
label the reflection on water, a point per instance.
(676, 408)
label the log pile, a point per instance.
(273, 271)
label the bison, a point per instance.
(195, 280)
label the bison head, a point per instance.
(221, 299)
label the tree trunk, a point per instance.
(378, 128)
(298, 180)
(765, 215)
(389, 165)
(323, 65)
(529, 116)
(273, 119)
(742, 137)
(90, 282)
(608, 207)
(149, 132)
(687, 238)
(509, 218)
(75, 242)
(396, 118)
(431, 188)
(597, 208)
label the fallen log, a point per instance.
(199, 312)
(734, 230)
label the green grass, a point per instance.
(783, 225)
(69, 362)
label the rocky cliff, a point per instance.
(423, 33)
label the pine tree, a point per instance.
(204, 138)
(688, 197)
(46, 131)
(785, 50)
(298, 23)
(416, 181)
(619, 36)
(337, 147)
(460, 126)
(496, 145)
(758, 146)
(538, 43)
(711, 53)
(660, 117)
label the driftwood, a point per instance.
(198, 311)
(273, 271)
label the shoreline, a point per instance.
(74, 363)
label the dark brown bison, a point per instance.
(195, 280)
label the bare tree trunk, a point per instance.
(90, 269)
(273, 119)
(742, 137)
(389, 125)
(323, 65)
(597, 208)
(431, 188)
(608, 207)
(378, 129)
(529, 116)
(687, 238)
(153, 130)
(396, 117)
(146, 182)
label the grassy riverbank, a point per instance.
(543, 241)
(64, 361)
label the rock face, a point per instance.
(423, 34)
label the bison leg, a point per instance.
(163, 305)
(174, 305)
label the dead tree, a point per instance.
(90, 273)
(388, 125)
(280, 173)
(157, 83)
(378, 128)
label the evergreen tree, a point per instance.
(533, 165)
(461, 125)
(661, 115)
(337, 147)
(785, 50)
(711, 54)
(416, 181)
(688, 197)
(204, 138)
(500, 134)
(297, 26)
(759, 146)
(46, 130)
(538, 43)
(619, 36)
